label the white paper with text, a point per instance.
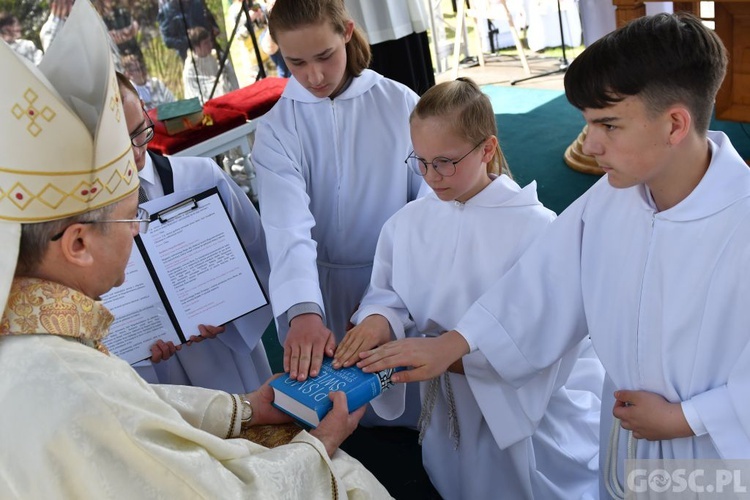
(201, 267)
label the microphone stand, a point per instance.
(563, 62)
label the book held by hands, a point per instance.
(308, 401)
(190, 268)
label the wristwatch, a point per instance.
(247, 412)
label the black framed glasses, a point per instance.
(445, 167)
(143, 136)
(143, 218)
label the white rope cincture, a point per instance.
(428, 405)
(453, 430)
(614, 488)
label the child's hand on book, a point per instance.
(427, 357)
(306, 342)
(370, 333)
(338, 424)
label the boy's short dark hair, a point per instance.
(663, 59)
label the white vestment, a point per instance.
(663, 296)
(389, 19)
(235, 361)
(433, 260)
(330, 173)
(79, 424)
(27, 49)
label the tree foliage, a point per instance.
(161, 62)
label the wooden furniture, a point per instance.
(576, 159)
(627, 10)
(733, 27)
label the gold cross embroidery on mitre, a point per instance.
(32, 112)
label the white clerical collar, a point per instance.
(150, 179)
(148, 173)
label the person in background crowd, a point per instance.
(397, 32)
(10, 31)
(59, 11)
(151, 90)
(123, 29)
(201, 70)
(271, 48)
(176, 17)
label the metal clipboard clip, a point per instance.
(177, 210)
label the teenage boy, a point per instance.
(653, 262)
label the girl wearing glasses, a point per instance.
(434, 258)
(329, 159)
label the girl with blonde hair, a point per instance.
(481, 437)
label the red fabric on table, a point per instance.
(224, 119)
(255, 99)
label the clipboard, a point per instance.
(190, 268)
(175, 211)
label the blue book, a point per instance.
(308, 401)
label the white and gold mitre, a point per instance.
(64, 146)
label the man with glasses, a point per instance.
(236, 361)
(77, 422)
(141, 221)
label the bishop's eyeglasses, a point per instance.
(142, 220)
(445, 167)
